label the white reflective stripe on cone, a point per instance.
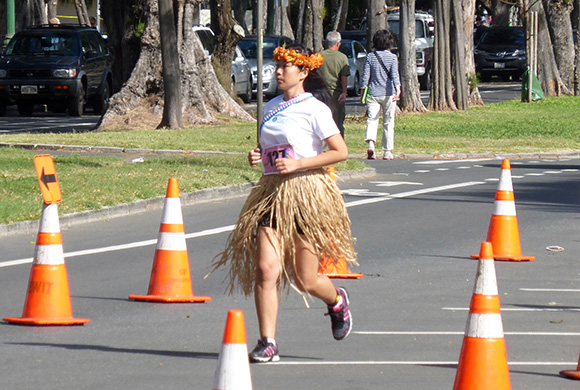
(49, 219)
(486, 283)
(486, 326)
(172, 212)
(171, 241)
(233, 371)
(505, 181)
(504, 207)
(48, 254)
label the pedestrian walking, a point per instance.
(296, 212)
(381, 76)
(335, 71)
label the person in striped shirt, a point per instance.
(381, 76)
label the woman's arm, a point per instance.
(337, 151)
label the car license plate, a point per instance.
(29, 90)
(498, 65)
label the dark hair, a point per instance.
(383, 40)
(314, 83)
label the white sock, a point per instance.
(371, 144)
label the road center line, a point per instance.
(434, 333)
(405, 363)
(223, 229)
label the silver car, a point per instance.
(357, 55)
(249, 47)
(241, 76)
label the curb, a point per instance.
(140, 206)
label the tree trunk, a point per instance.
(458, 47)
(311, 32)
(548, 73)
(560, 25)
(410, 94)
(442, 89)
(82, 13)
(576, 23)
(51, 9)
(500, 13)
(474, 98)
(240, 7)
(300, 21)
(170, 64)
(281, 19)
(228, 33)
(376, 19)
(139, 103)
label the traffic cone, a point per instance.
(503, 230)
(483, 359)
(572, 374)
(233, 370)
(48, 299)
(170, 277)
(328, 265)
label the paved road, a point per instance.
(416, 222)
(42, 122)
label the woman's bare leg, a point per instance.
(266, 287)
(307, 278)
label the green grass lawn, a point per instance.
(90, 181)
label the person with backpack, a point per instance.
(381, 76)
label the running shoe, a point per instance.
(340, 317)
(388, 155)
(264, 352)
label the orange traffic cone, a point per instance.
(503, 230)
(572, 374)
(483, 359)
(233, 370)
(328, 265)
(170, 278)
(48, 299)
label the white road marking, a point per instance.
(520, 309)
(405, 363)
(408, 333)
(423, 171)
(550, 289)
(437, 162)
(394, 183)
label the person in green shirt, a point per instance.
(335, 71)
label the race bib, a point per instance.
(273, 153)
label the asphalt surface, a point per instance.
(416, 222)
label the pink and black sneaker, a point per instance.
(264, 352)
(340, 317)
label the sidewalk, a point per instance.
(211, 194)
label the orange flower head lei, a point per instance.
(306, 61)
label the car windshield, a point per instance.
(41, 44)
(250, 48)
(345, 48)
(512, 37)
(419, 33)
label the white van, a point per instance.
(424, 32)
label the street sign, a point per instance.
(46, 173)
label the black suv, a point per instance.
(61, 66)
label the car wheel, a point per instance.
(356, 86)
(102, 100)
(76, 105)
(25, 109)
(425, 80)
(247, 97)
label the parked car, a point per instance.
(249, 46)
(355, 35)
(424, 32)
(356, 54)
(240, 75)
(63, 67)
(501, 51)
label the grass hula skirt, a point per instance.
(309, 200)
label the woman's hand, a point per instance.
(255, 157)
(287, 165)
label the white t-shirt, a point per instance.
(297, 132)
